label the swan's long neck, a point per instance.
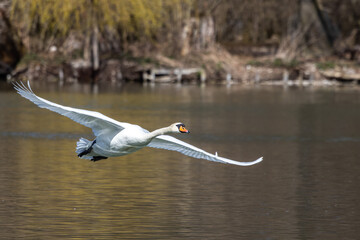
(159, 131)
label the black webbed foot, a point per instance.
(87, 150)
(97, 158)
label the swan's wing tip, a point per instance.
(259, 159)
(256, 161)
(20, 87)
(242, 163)
(253, 162)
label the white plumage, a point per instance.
(115, 138)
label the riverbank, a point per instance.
(217, 64)
(200, 46)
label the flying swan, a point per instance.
(115, 138)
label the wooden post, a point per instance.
(286, 77)
(257, 77)
(95, 49)
(202, 75)
(178, 73)
(152, 76)
(61, 76)
(228, 78)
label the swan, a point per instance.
(113, 138)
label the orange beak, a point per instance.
(183, 130)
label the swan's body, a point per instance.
(115, 138)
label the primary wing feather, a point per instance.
(94, 120)
(171, 143)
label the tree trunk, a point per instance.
(11, 47)
(207, 32)
(87, 47)
(198, 34)
(95, 49)
(322, 31)
(329, 29)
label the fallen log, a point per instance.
(163, 75)
(341, 75)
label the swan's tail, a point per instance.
(83, 145)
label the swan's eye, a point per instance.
(183, 129)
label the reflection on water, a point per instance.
(306, 187)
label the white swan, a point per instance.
(115, 138)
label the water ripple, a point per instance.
(42, 135)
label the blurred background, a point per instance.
(243, 41)
(278, 79)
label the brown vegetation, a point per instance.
(79, 39)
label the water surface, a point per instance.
(307, 187)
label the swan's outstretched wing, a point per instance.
(171, 143)
(94, 120)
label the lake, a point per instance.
(307, 187)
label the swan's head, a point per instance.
(179, 128)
